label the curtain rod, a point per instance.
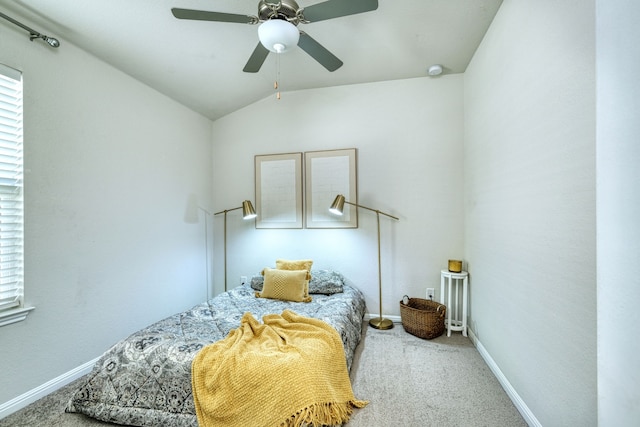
(33, 34)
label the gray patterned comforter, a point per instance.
(145, 380)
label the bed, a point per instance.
(145, 379)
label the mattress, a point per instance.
(145, 379)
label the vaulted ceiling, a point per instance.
(200, 64)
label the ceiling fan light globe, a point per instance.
(278, 35)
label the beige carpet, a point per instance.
(408, 381)
(414, 382)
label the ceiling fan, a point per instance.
(281, 18)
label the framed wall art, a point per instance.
(327, 174)
(278, 190)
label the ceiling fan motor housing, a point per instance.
(285, 9)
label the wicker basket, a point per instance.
(422, 317)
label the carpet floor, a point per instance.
(407, 380)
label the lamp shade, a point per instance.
(278, 35)
(247, 210)
(337, 207)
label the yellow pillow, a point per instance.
(287, 285)
(301, 264)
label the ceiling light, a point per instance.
(278, 35)
(435, 70)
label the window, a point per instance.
(11, 201)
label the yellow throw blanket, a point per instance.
(288, 371)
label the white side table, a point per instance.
(451, 279)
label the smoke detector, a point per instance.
(435, 70)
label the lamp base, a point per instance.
(380, 323)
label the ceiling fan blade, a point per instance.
(201, 15)
(256, 59)
(337, 8)
(318, 52)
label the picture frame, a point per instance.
(278, 188)
(327, 174)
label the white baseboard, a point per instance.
(41, 391)
(522, 407)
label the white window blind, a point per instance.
(11, 201)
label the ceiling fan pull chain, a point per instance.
(275, 83)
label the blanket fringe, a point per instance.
(324, 414)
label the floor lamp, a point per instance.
(206, 248)
(247, 213)
(337, 208)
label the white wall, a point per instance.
(618, 187)
(109, 167)
(530, 204)
(409, 140)
(110, 201)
